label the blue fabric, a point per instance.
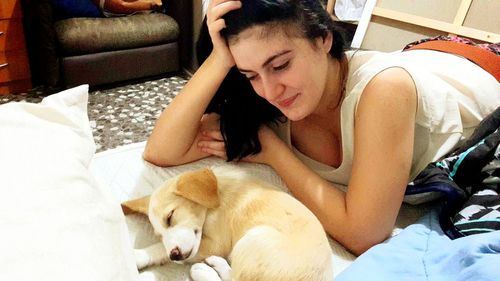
(422, 252)
(75, 8)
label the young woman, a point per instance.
(368, 120)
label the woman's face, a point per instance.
(290, 72)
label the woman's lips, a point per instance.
(287, 102)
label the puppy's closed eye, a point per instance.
(168, 219)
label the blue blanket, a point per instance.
(422, 252)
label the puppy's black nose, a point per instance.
(175, 254)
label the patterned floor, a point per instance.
(124, 114)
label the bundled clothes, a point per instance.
(469, 181)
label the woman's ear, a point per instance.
(326, 42)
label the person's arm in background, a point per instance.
(175, 136)
(129, 6)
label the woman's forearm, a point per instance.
(327, 202)
(178, 125)
(320, 196)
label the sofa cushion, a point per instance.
(114, 66)
(79, 36)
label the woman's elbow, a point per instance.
(360, 246)
(359, 240)
(153, 156)
(150, 158)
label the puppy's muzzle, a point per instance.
(176, 254)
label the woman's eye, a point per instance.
(251, 77)
(169, 218)
(281, 67)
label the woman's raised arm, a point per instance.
(175, 136)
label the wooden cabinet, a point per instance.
(14, 66)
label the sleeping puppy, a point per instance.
(265, 233)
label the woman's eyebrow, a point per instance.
(269, 60)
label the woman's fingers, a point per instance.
(212, 139)
(215, 3)
(218, 153)
(213, 134)
(218, 10)
(216, 148)
(218, 145)
(212, 142)
(216, 23)
(215, 28)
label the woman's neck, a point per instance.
(333, 93)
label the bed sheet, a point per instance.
(128, 176)
(422, 252)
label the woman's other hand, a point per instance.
(216, 10)
(211, 140)
(270, 144)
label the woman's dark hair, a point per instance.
(242, 111)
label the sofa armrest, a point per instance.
(182, 12)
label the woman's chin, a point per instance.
(294, 115)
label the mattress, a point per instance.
(128, 176)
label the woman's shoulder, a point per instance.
(389, 81)
(357, 58)
(363, 66)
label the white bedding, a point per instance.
(128, 176)
(61, 218)
(56, 222)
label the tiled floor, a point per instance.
(124, 114)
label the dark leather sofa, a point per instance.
(99, 51)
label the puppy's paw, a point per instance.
(221, 266)
(142, 259)
(148, 276)
(203, 272)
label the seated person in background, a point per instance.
(111, 8)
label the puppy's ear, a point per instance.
(199, 186)
(139, 206)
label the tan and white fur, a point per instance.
(264, 233)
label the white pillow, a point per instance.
(56, 222)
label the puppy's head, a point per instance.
(177, 211)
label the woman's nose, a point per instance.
(272, 89)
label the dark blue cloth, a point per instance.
(75, 8)
(468, 179)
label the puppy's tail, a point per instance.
(267, 254)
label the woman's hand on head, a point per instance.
(216, 10)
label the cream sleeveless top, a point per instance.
(454, 94)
